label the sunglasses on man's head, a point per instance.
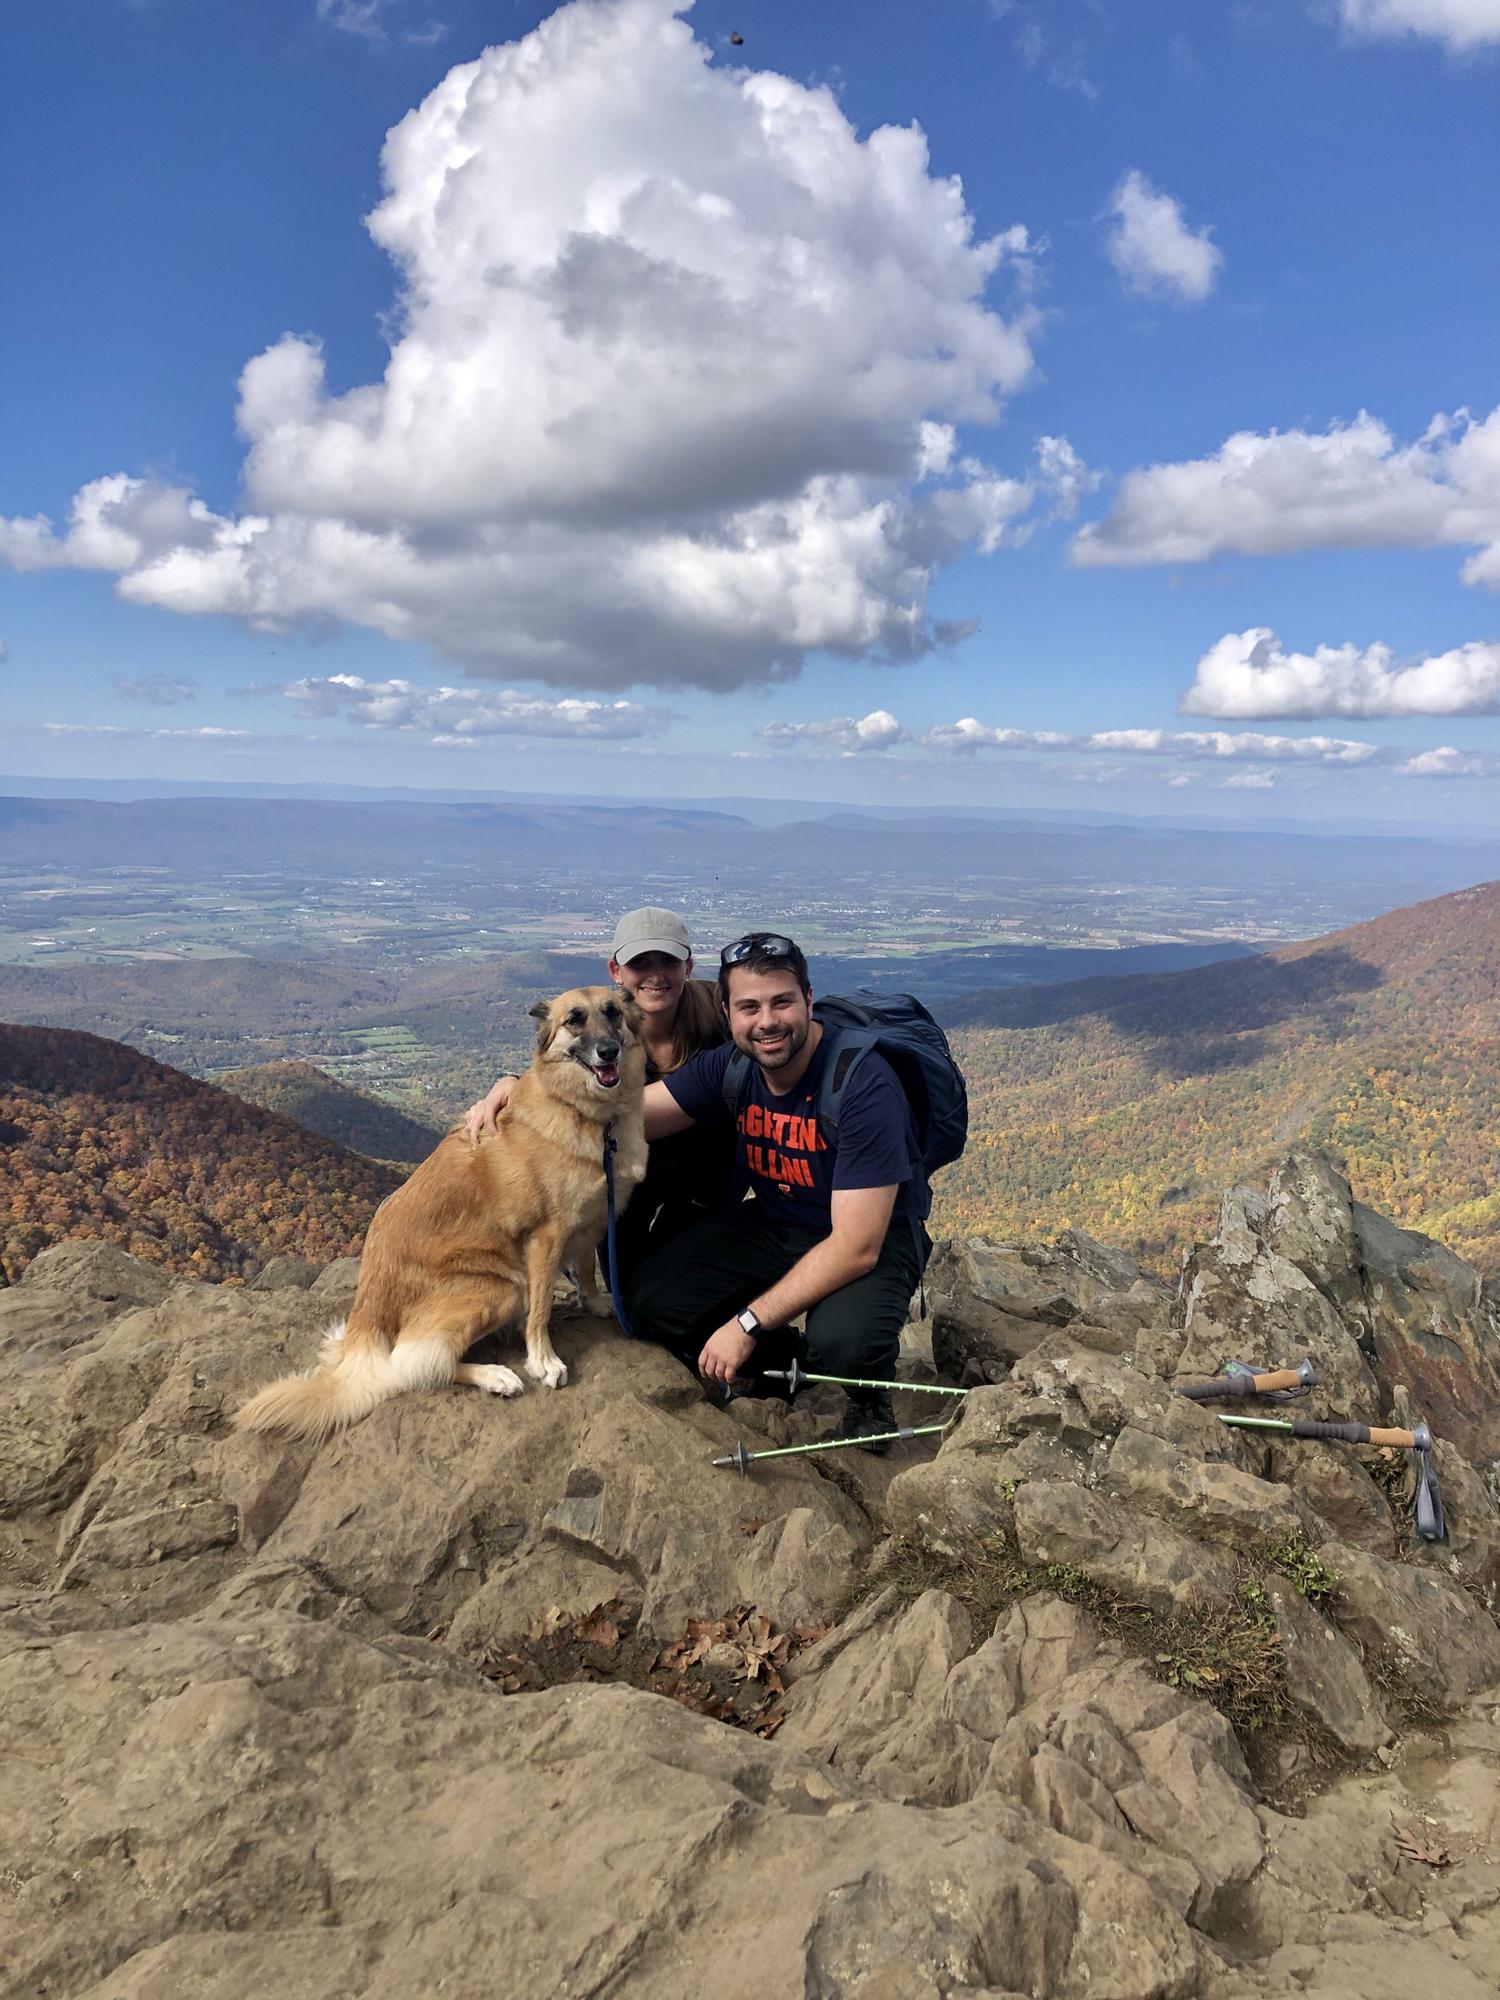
(757, 944)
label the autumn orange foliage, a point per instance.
(97, 1139)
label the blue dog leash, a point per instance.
(610, 1149)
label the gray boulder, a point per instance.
(993, 1302)
(279, 1274)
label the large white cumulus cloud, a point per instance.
(670, 398)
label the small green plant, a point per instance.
(1069, 1581)
(1257, 1605)
(1008, 1489)
(1306, 1569)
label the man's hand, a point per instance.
(479, 1119)
(725, 1353)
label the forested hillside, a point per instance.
(99, 1140)
(320, 1103)
(1124, 1106)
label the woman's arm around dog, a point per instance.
(663, 1115)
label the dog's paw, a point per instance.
(496, 1380)
(553, 1371)
(597, 1306)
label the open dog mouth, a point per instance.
(607, 1074)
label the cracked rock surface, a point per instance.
(248, 1746)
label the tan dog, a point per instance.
(481, 1231)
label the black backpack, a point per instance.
(900, 1027)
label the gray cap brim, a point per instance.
(627, 954)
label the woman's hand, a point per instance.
(479, 1119)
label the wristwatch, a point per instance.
(748, 1321)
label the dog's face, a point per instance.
(592, 1026)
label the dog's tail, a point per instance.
(353, 1375)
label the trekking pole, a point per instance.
(796, 1375)
(1429, 1501)
(743, 1460)
(1240, 1379)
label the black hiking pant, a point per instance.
(686, 1290)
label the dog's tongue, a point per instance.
(608, 1074)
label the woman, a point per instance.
(689, 1175)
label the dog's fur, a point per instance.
(480, 1232)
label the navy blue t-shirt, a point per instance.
(779, 1151)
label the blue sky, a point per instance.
(710, 454)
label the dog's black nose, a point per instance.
(607, 1052)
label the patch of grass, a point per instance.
(1392, 1678)
(1304, 1567)
(1228, 1653)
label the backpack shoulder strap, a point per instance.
(848, 1049)
(735, 1087)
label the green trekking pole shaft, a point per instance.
(796, 1375)
(745, 1459)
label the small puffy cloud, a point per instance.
(1250, 781)
(1250, 674)
(1461, 24)
(879, 730)
(675, 412)
(367, 19)
(968, 734)
(1352, 487)
(161, 690)
(1446, 762)
(1063, 476)
(355, 17)
(463, 714)
(1150, 245)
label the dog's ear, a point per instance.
(633, 1014)
(541, 1013)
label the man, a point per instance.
(831, 1230)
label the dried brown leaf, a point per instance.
(1417, 1849)
(598, 1628)
(752, 1524)
(548, 1623)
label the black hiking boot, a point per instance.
(869, 1413)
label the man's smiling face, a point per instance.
(770, 1017)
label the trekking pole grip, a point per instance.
(1280, 1378)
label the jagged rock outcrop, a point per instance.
(256, 1741)
(1309, 1270)
(991, 1303)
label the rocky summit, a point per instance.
(1096, 1700)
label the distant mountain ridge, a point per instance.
(100, 1140)
(321, 1103)
(320, 837)
(1123, 1105)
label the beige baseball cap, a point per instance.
(640, 931)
